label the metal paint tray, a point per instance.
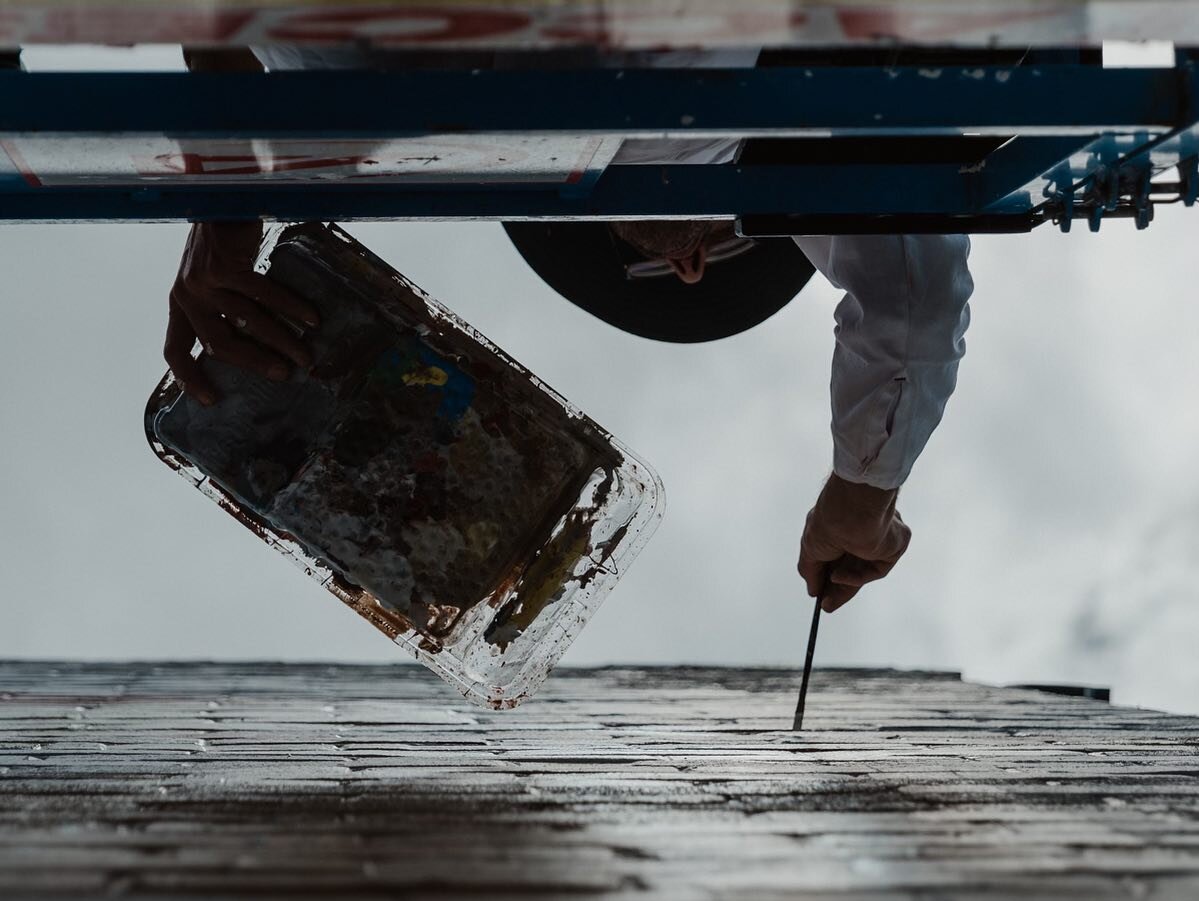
(417, 472)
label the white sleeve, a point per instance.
(900, 333)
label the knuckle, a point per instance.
(234, 275)
(253, 283)
(176, 351)
(234, 302)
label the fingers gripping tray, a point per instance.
(420, 474)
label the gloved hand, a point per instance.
(234, 310)
(853, 535)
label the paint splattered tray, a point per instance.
(417, 472)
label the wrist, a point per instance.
(857, 500)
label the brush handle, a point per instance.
(807, 666)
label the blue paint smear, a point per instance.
(459, 390)
(457, 393)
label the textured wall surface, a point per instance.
(361, 781)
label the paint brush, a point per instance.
(807, 666)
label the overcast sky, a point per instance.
(1055, 513)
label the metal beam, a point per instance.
(622, 192)
(889, 224)
(643, 102)
(1012, 177)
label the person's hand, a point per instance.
(237, 314)
(853, 535)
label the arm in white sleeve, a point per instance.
(900, 334)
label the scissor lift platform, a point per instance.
(966, 116)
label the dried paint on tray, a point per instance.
(426, 469)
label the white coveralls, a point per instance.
(900, 329)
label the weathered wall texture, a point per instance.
(229, 780)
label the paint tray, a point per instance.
(417, 472)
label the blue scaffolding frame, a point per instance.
(829, 148)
